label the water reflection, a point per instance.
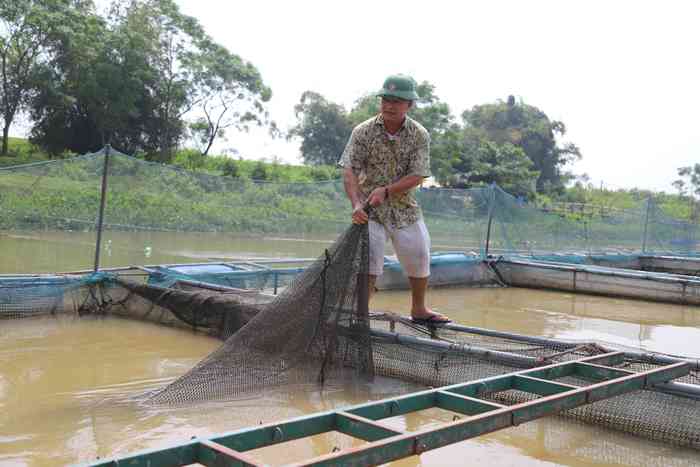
(47, 251)
(658, 327)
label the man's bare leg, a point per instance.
(419, 310)
(372, 288)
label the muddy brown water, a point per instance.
(70, 387)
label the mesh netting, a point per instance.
(264, 348)
(313, 330)
(21, 297)
(160, 214)
(307, 333)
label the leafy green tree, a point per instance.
(95, 91)
(530, 129)
(231, 94)
(323, 127)
(189, 70)
(487, 162)
(688, 186)
(365, 108)
(446, 153)
(30, 30)
(689, 183)
(132, 79)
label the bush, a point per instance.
(190, 159)
(260, 172)
(231, 169)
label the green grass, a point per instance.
(21, 151)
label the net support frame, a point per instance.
(384, 443)
(101, 213)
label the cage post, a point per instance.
(646, 226)
(100, 217)
(492, 202)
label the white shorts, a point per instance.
(411, 243)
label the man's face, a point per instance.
(394, 110)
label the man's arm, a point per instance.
(379, 195)
(352, 189)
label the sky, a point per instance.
(622, 75)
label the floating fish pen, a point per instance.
(490, 238)
(462, 269)
(450, 354)
(600, 280)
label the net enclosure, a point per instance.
(155, 214)
(300, 337)
(317, 327)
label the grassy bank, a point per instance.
(578, 203)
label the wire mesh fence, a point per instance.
(156, 214)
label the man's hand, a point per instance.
(359, 216)
(378, 196)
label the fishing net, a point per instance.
(210, 311)
(312, 330)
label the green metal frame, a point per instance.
(385, 444)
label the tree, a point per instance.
(530, 129)
(505, 165)
(132, 79)
(689, 185)
(323, 127)
(29, 30)
(95, 91)
(232, 95)
(691, 174)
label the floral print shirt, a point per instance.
(380, 159)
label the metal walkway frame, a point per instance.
(385, 444)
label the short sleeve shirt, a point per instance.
(379, 159)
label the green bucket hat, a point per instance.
(400, 86)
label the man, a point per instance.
(386, 158)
